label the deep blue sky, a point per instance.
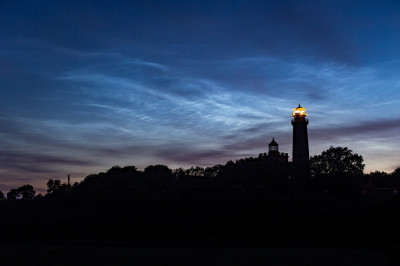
(86, 85)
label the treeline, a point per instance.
(117, 180)
(251, 200)
(157, 203)
(155, 181)
(335, 171)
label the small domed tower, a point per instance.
(300, 159)
(274, 155)
(273, 148)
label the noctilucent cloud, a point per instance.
(86, 85)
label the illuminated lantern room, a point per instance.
(299, 111)
(299, 114)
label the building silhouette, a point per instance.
(300, 165)
(300, 157)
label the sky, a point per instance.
(86, 85)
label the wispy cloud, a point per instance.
(196, 84)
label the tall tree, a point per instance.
(337, 170)
(337, 160)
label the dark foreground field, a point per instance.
(72, 253)
(200, 229)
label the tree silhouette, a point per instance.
(1, 195)
(396, 172)
(55, 188)
(393, 180)
(53, 185)
(337, 160)
(213, 171)
(195, 171)
(377, 179)
(158, 176)
(26, 191)
(337, 169)
(12, 194)
(157, 171)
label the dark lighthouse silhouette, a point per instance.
(300, 165)
(300, 156)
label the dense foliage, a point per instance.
(337, 170)
(24, 192)
(337, 161)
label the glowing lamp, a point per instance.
(299, 111)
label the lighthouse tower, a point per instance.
(300, 159)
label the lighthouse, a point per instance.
(300, 157)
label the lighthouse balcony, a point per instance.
(300, 119)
